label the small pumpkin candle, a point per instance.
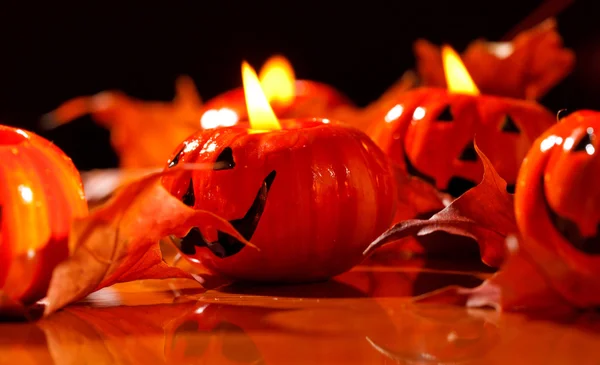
(40, 194)
(289, 98)
(429, 132)
(557, 206)
(310, 193)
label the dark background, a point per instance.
(53, 52)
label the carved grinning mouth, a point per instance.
(227, 245)
(456, 186)
(570, 231)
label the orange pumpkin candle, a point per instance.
(310, 193)
(429, 132)
(40, 194)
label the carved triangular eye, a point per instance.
(468, 153)
(509, 125)
(445, 115)
(583, 143)
(225, 160)
(189, 198)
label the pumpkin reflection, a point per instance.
(218, 333)
(409, 334)
(437, 335)
(239, 334)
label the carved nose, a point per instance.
(509, 126)
(445, 115)
(468, 153)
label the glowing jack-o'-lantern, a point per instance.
(40, 193)
(557, 206)
(289, 98)
(309, 193)
(430, 132)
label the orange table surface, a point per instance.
(365, 316)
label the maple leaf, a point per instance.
(119, 241)
(526, 67)
(143, 133)
(485, 213)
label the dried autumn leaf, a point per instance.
(416, 199)
(527, 67)
(143, 133)
(119, 241)
(484, 213)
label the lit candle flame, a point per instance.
(260, 115)
(278, 80)
(457, 77)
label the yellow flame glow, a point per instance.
(457, 76)
(260, 115)
(278, 80)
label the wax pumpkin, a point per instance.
(311, 197)
(430, 133)
(40, 193)
(557, 206)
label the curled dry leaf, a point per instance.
(527, 67)
(143, 133)
(416, 198)
(485, 213)
(119, 241)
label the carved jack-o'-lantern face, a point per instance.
(311, 197)
(557, 206)
(567, 167)
(431, 132)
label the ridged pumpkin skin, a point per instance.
(40, 194)
(430, 132)
(314, 196)
(557, 206)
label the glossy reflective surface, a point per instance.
(365, 316)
